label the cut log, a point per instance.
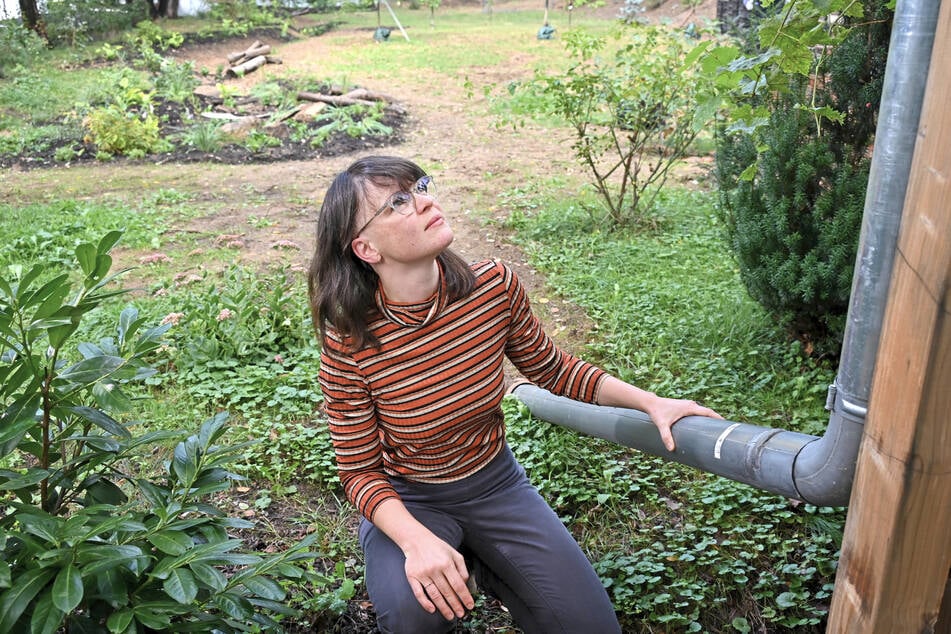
(251, 52)
(333, 100)
(273, 60)
(239, 54)
(363, 93)
(247, 67)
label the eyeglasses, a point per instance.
(404, 202)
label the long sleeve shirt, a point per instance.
(425, 404)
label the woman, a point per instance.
(412, 376)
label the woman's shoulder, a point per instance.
(491, 268)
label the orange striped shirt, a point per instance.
(425, 405)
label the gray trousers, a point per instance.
(514, 544)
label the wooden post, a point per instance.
(896, 551)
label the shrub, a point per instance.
(794, 228)
(176, 81)
(633, 115)
(117, 131)
(76, 22)
(792, 192)
(125, 124)
(89, 543)
(20, 46)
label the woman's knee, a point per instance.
(409, 617)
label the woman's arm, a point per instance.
(435, 570)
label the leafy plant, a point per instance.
(114, 130)
(20, 45)
(794, 228)
(176, 81)
(151, 35)
(792, 42)
(242, 318)
(79, 551)
(205, 136)
(354, 121)
(633, 117)
(126, 124)
(792, 192)
(259, 140)
(77, 22)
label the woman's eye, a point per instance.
(400, 200)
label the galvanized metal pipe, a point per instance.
(815, 469)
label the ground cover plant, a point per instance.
(216, 253)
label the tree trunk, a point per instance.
(162, 8)
(732, 16)
(32, 18)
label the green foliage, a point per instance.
(241, 318)
(794, 227)
(205, 136)
(354, 121)
(672, 314)
(791, 42)
(77, 22)
(792, 192)
(176, 81)
(19, 45)
(126, 125)
(238, 17)
(634, 114)
(259, 140)
(88, 543)
(116, 131)
(150, 35)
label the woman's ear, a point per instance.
(365, 250)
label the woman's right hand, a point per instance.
(435, 570)
(437, 574)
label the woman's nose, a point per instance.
(423, 202)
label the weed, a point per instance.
(176, 81)
(205, 136)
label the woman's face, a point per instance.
(420, 234)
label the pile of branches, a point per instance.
(241, 63)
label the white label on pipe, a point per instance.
(726, 432)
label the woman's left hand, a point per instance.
(667, 411)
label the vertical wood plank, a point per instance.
(896, 550)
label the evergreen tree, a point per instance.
(794, 226)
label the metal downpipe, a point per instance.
(824, 469)
(818, 470)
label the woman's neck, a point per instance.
(409, 284)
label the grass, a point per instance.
(679, 550)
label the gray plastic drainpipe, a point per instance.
(817, 470)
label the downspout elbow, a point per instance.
(824, 469)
